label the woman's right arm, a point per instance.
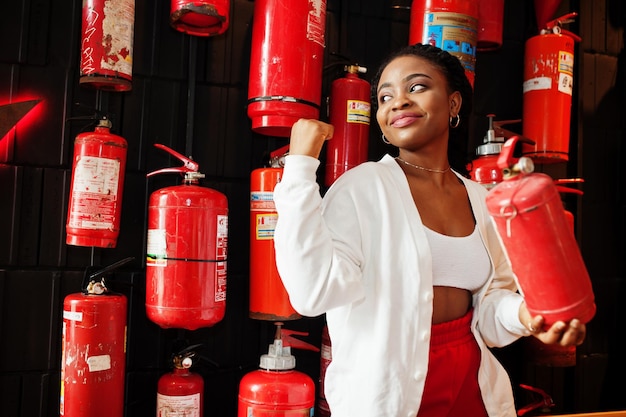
(319, 269)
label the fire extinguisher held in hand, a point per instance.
(268, 298)
(541, 246)
(95, 205)
(285, 80)
(106, 58)
(94, 348)
(200, 17)
(547, 92)
(277, 389)
(451, 25)
(186, 251)
(349, 113)
(180, 392)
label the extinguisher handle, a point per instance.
(544, 402)
(289, 340)
(91, 275)
(506, 160)
(189, 165)
(562, 189)
(279, 152)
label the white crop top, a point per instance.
(460, 262)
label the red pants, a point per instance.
(452, 379)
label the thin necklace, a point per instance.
(438, 171)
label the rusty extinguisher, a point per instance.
(285, 80)
(547, 92)
(349, 112)
(451, 25)
(200, 17)
(93, 358)
(106, 58)
(277, 389)
(541, 246)
(95, 204)
(186, 251)
(181, 392)
(268, 297)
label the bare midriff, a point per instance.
(450, 303)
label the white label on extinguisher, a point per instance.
(73, 315)
(178, 405)
(99, 363)
(118, 28)
(358, 112)
(94, 193)
(316, 22)
(537, 83)
(262, 200)
(221, 247)
(265, 225)
(156, 247)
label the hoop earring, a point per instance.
(385, 140)
(455, 121)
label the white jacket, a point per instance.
(361, 256)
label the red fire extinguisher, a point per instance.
(349, 113)
(106, 58)
(451, 25)
(186, 251)
(490, 22)
(93, 355)
(484, 169)
(180, 392)
(277, 389)
(268, 298)
(200, 17)
(95, 205)
(285, 82)
(547, 92)
(544, 255)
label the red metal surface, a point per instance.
(485, 170)
(490, 22)
(94, 355)
(180, 393)
(186, 252)
(285, 80)
(269, 393)
(541, 245)
(451, 25)
(186, 264)
(95, 206)
(349, 107)
(200, 17)
(107, 44)
(268, 298)
(547, 96)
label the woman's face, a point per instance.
(414, 105)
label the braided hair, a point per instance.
(454, 72)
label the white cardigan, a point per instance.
(361, 256)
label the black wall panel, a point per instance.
(190, 94)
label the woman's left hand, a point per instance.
(565, 334)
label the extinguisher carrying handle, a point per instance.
(555, 26)
(506, 160)
(545, 402)
(96, 273)
(189, 165)
(289, 340)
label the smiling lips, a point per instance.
(403, 120)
